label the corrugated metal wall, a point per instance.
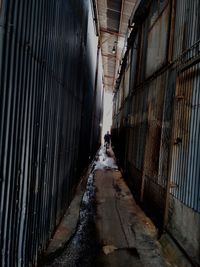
(185, 156)
(187, 26)
(143, 109)
(45, 119)
(162, 112)
(185, 152)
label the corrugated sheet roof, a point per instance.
(113, 20)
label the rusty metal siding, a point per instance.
(45, 101)
(163, 116)
(142, 46)
(165, 144)
(153, 194)
(127, 76)
(134, 149)
(133, 64)
(144, 115)
(138, 122)
(185, 155)
(187, 25)
(157, 41)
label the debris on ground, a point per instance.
(112, 230)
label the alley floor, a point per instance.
(112, 230)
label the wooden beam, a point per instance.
(120, 25)
(121, 16)
(111, 32)
(109, 77)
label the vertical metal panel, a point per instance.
(127, 76)
(150, 99)
(145, 121)
(45, 103)
(142, 52)
(133, 63)
(162, 134)
(187, 24)
(185, 155)
(165, 143)
(158, 42)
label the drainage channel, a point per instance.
(83, 246)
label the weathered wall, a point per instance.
(156, 123)
(185, 228)
(47, 87)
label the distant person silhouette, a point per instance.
(107, 139)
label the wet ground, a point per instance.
(83, 247)
(112, 230)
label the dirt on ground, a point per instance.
(112, 230)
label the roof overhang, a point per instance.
(113, 20)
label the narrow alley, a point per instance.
(112, 230)
(99, 133)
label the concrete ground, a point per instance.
(127, 237)
(104, 226)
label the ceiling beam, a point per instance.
(120, 25)
(111, 32)
(108, 55)
(108, 77)
(121, 16)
